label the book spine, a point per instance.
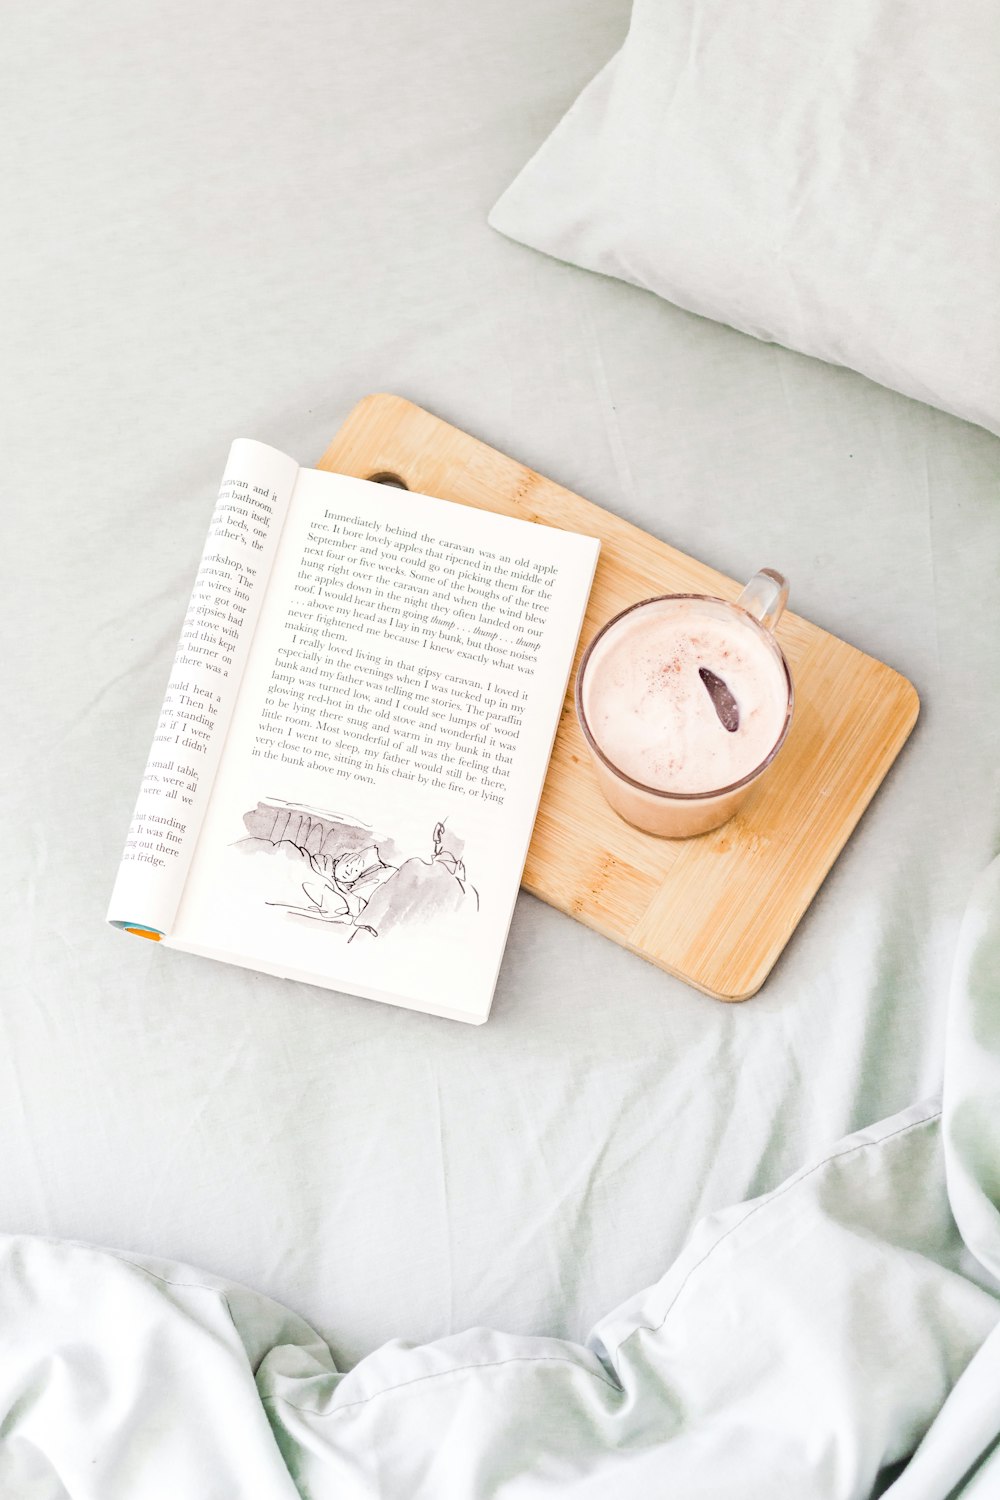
(202, 690)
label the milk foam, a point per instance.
(650, 711)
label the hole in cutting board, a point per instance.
(385, 476)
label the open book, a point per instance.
(348, 761)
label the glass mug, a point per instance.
(631, 671)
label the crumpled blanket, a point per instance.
(835, 1338)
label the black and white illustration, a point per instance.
(338, 870)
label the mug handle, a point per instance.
(765, 597)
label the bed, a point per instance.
(232, 223)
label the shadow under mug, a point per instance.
(680, 815)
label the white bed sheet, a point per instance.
(238, 221)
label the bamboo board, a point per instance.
(716, 910)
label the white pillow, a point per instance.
(822, 175)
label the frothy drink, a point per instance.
(685, 695)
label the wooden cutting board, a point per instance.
(715, 910)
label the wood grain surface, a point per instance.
(716, 910)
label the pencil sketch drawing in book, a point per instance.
(325, 867)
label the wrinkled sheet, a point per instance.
(805, 1343)
(235, 219)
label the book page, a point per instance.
(204, 682)
(374, 808)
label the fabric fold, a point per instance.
(805, 1343)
